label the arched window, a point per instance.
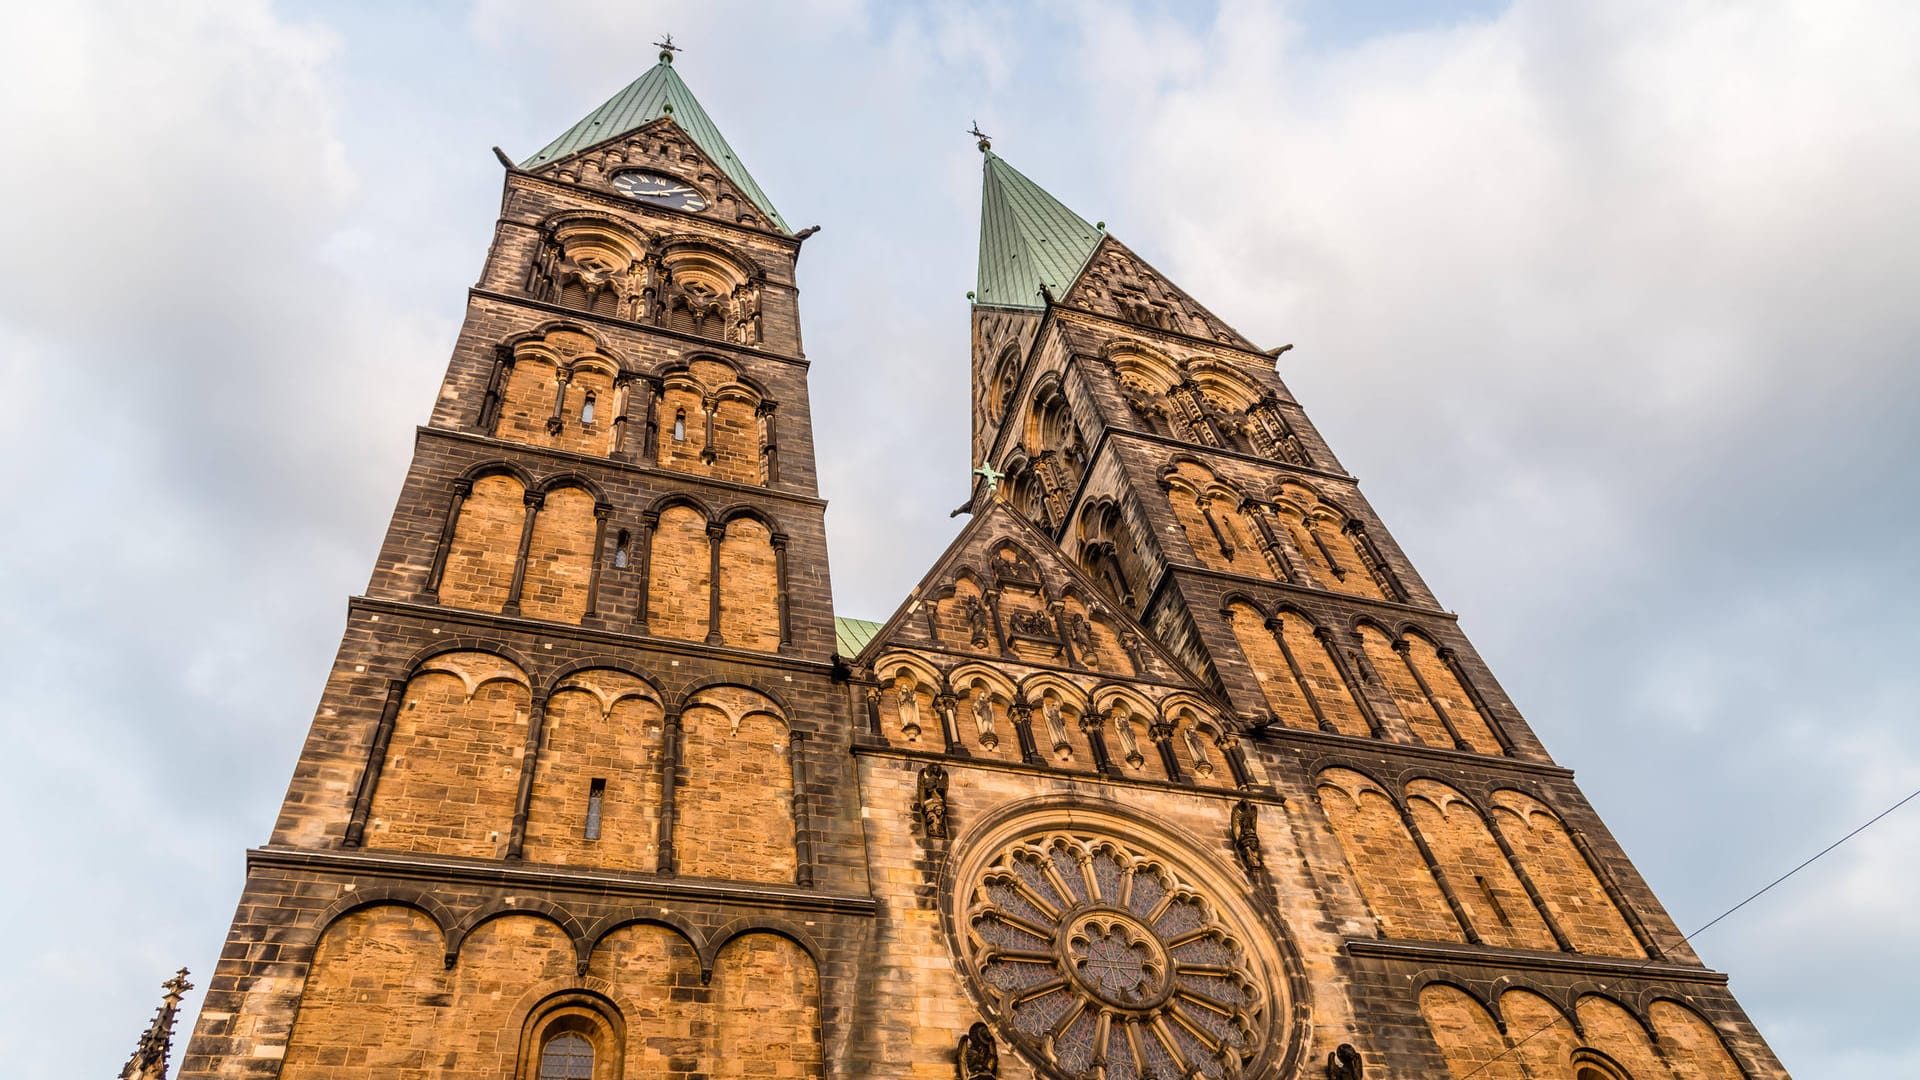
(620, 547)
(680, 425)
(586, 409)
(567, 1056)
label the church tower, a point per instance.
(576, 798)
(1170, 767)
(1202, 780)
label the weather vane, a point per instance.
(667, 49)
(985, 143)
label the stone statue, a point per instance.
(977, 625)
(1197, 749)
(908, 705)
(1081, 635)
(1345, 1064)
(1129, 744)
(983, 717)
(1057, 726)
(932, 801)
(1245, 827)
(977, 1057)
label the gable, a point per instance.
(662, 146)
(1120, 285)
(1003, 591)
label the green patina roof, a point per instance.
(852, 635)
(645, 100)
(1026, 237)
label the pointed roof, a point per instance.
(653, 95)
(852, 635)
(1027, 237)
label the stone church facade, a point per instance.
(1171, 766)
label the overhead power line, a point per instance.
(1710, 923)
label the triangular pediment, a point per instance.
(1003, 591)
(658, 95)
(1121, 285)
(665, 148)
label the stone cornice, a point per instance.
(573, 457)
(1236, 455)
(560, 879)
(1277, 735)
(574, 631)
(1531, 960)
(1250, 581)
(1260, 794)
(700, 344)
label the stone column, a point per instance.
(534, 500)
(376, 760)
(461, 489)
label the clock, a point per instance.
(660, 190)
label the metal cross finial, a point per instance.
(983, 142)
(667, 49)
(992, 476)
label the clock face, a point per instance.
(659, 190)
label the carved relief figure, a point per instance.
(977, 623)
(983, 716)
(1033, 624)
(1344, 1063)
(908, 705)
(931, 799)
(1123, 728)
(1245, 827)
(1081, 635)
(1197, 748)
(1056, 726)
(978, 1056)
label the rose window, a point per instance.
(1104, 962)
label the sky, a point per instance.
(1609, 306)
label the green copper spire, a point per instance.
(1027, 238)
(656, 94)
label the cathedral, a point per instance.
(1171, 766)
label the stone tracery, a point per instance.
(1100, 959)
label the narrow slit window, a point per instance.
(1498, 910)
(596, 794)
(620, 545)
(680, 425)
(586, 409)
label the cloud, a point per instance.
(1608, 305)
(1611, 308)
(187, 386)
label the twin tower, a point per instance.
(1170, 767)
